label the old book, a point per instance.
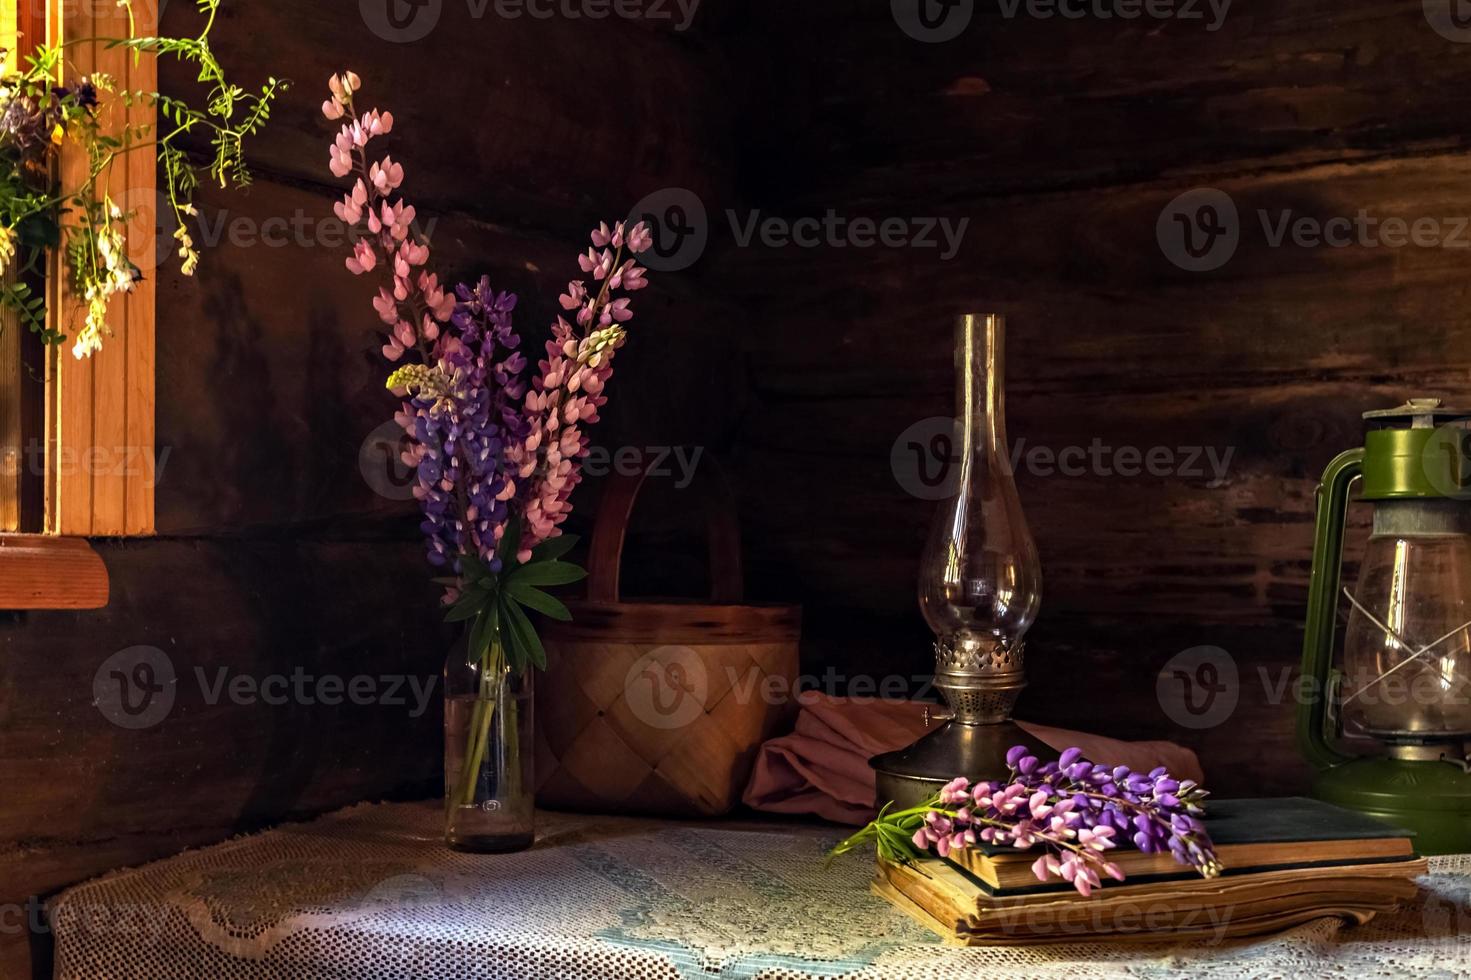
(1245, 923)
(1245, 904)
(1250, 835)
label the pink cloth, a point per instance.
(822, 767)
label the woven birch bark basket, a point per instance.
(658, 706)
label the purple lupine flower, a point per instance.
(1074, 810)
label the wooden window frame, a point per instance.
(98, 429)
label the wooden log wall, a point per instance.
(1063, 141)
(276, 558)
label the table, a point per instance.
(371, 892)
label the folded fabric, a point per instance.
(822, 767)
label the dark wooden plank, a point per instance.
(1023, 102)
(290, 356)
(1271, 359)
(96, 787)
(526, 121)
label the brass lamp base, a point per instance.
(912, 775)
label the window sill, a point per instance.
(44, 572)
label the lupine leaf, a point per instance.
(548, 573)
(483, 632)
(547, 605)
(510, 541)
(473, 598)
(473, 566)
(460, 612)
(553, 548)
(525, 634)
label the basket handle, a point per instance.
(605, 554)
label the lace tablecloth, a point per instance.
(370, 892)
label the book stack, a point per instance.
(1286, 861)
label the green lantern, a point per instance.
(1404, 691)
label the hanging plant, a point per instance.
(44, 106)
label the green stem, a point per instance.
(492, 676)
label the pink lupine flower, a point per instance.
(344, 85)
(1097, 838)
(955, 791)
(440, 303)
(630, 277)
(351, 207)
(597, 263)
(363, 259)
(640, 239)
(616, 312)
(574, 297)
(340, 160)
(375, 123)
(386, 176)
(386, 305)
(542, 463)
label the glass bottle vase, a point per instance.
(488, 777)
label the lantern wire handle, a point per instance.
(1404, 644)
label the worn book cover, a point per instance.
(1250, 836)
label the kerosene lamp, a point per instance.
(1406, 677)
(979, 587)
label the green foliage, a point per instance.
(41, 107)
(892, 833)
(495, 603)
